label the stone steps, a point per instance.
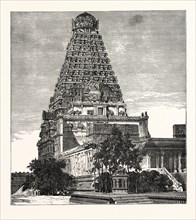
(81, 198)
(136, 201)
(182, 178)
(93, 198)
(81, 189)
(75, 200)
(133, 199)
(85, 183)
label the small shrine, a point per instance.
(120, 184)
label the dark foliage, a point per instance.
(48, 177)
(147, 181)
(117, 151)
(30, 182)
(104, 183)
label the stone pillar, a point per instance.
(148, 160)
(171, 161)
(117, 183)
(162, 159)
(104, 110)
(157, 160)
(126, 183)
(82, 109)
(175, 162)
(61, 134)
(95, 110)
(117, 110)
(179, 162)
(86, 160)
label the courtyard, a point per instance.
(101, 198)
(39, 200)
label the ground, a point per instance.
(64, 200)
(40, 200)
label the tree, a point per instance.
(148, 181)
(48, 176)
(116, 152)
(30, 182)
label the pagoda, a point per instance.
(87, 102)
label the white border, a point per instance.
(179, 211)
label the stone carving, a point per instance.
(110, 112)
(72, 112)
(77, 112)
(81, 125)
(48, 115)
(122, 113)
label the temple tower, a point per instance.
(87, 99)
(87, 84)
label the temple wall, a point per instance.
(56, 146)
(74, 134)
(79, 163)
(77, 133)
(80, 136)
(17, 180)
(143, 129)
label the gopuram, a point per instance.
(88, 101)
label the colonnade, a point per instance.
(171, 160)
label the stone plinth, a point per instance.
(119, 184)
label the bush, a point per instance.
(30, 182)
(48, 177)
(147, 181)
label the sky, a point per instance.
(147, 50)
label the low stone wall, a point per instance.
(17, 180)
(111, 198)
(85, 183)
(91, 199)
(160, 199)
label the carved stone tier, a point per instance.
(86, 69)
(103, 118)
(87, 103)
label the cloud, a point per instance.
(136, 19)
(119, 47)
(24, 122)
(147, 99)
(19, 136)
(23, 149)
(159, 95)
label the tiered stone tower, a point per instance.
(87, 100)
